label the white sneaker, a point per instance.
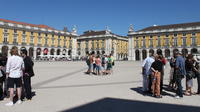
(9, 104)
(19, 102)
(178, 97)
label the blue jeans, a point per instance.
(179, 90)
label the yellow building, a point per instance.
(102, 42)
(165, 39)
(37, 39)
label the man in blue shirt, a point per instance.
(180, 73)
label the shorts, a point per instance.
(14, 81)
(98, 67)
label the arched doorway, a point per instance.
(4, 50)
(151, 51)
(184, 52)
(52, 51)
(87, 52)
(144, 54)
(30, 52)
(137, 55)
(159, 52)
(194, 50)
(167, 53)
(58, 52)
(103, 52)
(98, 52)
(64, 52)
(45, 51)
(38, 52)
(175, 50)
(69, 52)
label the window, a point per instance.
(92, 43)
(102, 43)
(15, 31)
(184, 34)
(86, 44)
(23, 38)
(184, 41)
(5, 30)
(193, 34)
(31, 40)
(175, 42)
(15, 38)
(151, 41)
(52, 41)
(144, 41)
(166, 41)
(97, 44)
(24, 32)
(39, 40)
(159, 42)
(5, 37)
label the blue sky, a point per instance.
(97, 14)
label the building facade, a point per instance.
(37, 39)
(102, 42)
(165, 39)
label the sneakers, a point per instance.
(178, 97)
(9, 104)
(19, 102)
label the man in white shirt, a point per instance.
(14, 71)
(146, 71)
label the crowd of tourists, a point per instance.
(15, 77)
(181, 68)
(100, 64)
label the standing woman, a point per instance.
(189, 74)
(28, 73)
(157, 68)
(14, 71)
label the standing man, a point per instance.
(28, 73)
(180, 73)
(14, 71)
(146, 72)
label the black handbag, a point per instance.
(190, 75)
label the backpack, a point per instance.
(88, 61)
(103, 60)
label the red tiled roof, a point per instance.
(32, 25)
(183, 25)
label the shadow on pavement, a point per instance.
(122, 105)
(139, 91)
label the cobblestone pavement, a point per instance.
(63, 86)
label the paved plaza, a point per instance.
(63, 86)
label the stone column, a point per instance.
(34, 52)
(131, 50)
(9, 49)
(74, 48)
